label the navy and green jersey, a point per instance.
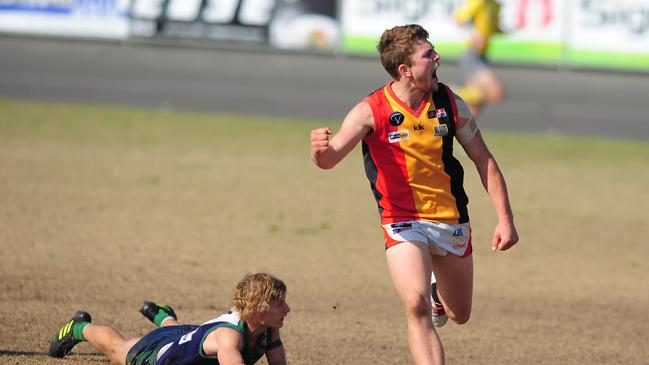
(183, 345)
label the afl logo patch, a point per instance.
(396, 119)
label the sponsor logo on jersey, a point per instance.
(458, 233)
(419, 128)
(396, 119)
(400, 135)
(441, 130)
(439, 113)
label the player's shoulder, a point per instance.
(464, 114)
(363, 106)
(231, 319)
(361, 113)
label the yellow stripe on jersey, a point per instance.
(430, 185)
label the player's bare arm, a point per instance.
(226, 344)
(468, 134)
(505, 235)
(276, 355)
(325, 152)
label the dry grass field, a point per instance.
(102, 208)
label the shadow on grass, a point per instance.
(35, 353)
(20, 353)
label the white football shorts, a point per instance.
(441, 238)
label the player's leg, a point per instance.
(473, 95)
(104, 338)
(410, 269)
(472, 92)
(493, 90)
(438, 312)
(110, 342)
(454, 276)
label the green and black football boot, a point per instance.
(157, 313)
(63, 341)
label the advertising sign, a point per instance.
(532, 31)
(609, 32)
(532, 28)
(72, 18)
(283, 23)
(363, 21)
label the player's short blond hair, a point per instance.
(254, 293)
(397, 44)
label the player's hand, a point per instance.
(505, 236)
(319, 142)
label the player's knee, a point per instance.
(495, 93)
(461, 315)
(118, 349)
(417, 307)
(499, 94)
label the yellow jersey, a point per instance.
(484, 14)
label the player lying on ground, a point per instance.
(241, 336)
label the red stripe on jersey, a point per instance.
(392, 178)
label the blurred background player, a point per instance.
(481, 85)
(242, 336)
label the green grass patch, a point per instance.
(77, 124)
(264, 162)
(97, 126)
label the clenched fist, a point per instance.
(319, 142)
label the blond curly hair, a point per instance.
(254, 293)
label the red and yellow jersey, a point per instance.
(409, 159)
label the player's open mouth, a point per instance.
(435, 75)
